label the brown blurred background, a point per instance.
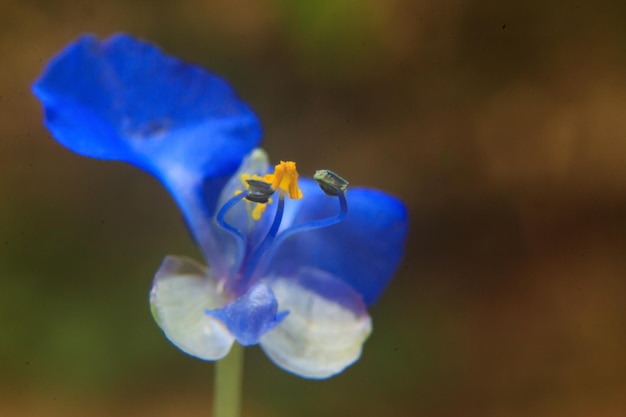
(501, 124)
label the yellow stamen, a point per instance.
(285, 177)
(258, 211)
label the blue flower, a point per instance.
(292, 266)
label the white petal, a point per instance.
(320, 336)
(181, 292)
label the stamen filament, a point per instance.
(304, 227)
(251, 265)
(236, 233)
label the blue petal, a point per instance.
(123, 99)
(364, 250)
(251, 315)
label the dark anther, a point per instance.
(259, 191)
(331, 183)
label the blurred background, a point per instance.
(501, 124)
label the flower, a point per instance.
(293, 263)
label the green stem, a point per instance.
(228, 381)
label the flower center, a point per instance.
(284, 179)
(252, 260)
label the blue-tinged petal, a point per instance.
(181, 293)
(325, 329)
(364, 250)
(251, 315)
(256, 163)
(124, 99)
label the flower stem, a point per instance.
(228, 382)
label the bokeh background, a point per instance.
(501, 124)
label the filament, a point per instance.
(304, 227)
(236, 233)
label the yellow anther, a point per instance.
(285, 177)
(258, 211)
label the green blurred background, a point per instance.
(501, 124)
